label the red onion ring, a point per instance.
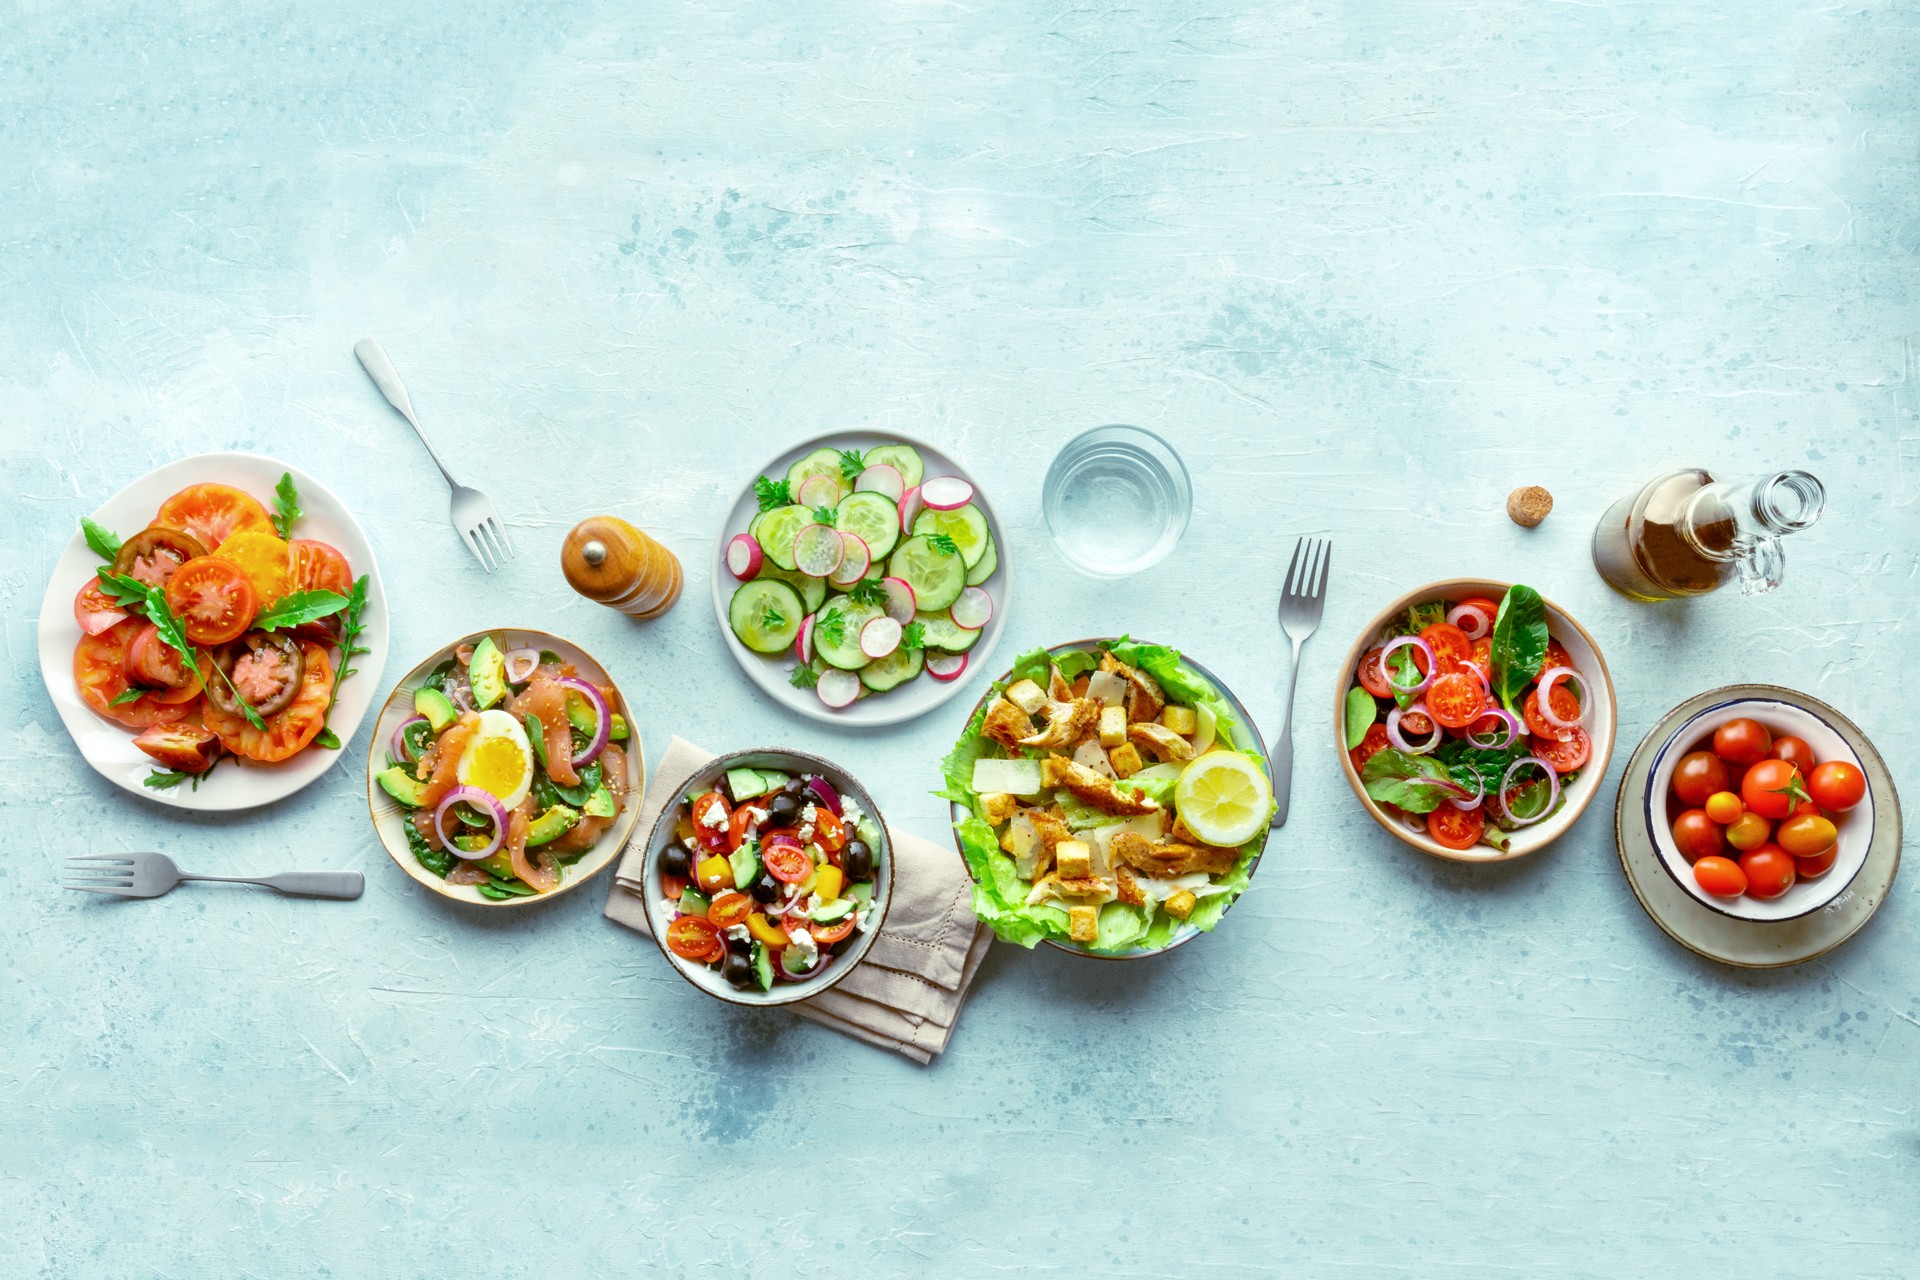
(399, 744)
(458, 691)
(480, 799)
(1386, 672)
(1507, 719)
(1473, 612)
(1479, 793)
(1545, 694)
(780, 964)
(1399, 740)
(828, 796)
(1553, 790)
(602, 718)
(521, 664)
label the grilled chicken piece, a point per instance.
(1144, 698)
(1162, 741)
(1051, 886)
(1128, 887)
(1067, 723)
(1101, 792)
(1053, 831)
(1165, 859)
(1006, 724)
(1057, 687)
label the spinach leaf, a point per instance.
(577, 795)
(1519, 644)
(438, 861)
(102, 541)
(1361, 710)
(1401, 672)
(437, 678)
(1415, 783)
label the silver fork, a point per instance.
(1301, 599)
(474, 514)
(148, 875)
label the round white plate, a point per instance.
(772, 672)
(108, 746)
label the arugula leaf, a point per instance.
(944, 544)
(103, 541)
(286, 505)
(851, 464)
(826, 515)
(299, 607)
(170, 631)
(913, 636)
(123, 589)
(867, 591)
(804, 678)
(772, 493)
(1519, 644)
(165, 779)
(1415, 783)
(131, 695)
(350, 629)
(833, 625)
(1361, 711)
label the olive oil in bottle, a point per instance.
(1686, 534)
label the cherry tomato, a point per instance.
(827, 935)
(1557, 656)
(1565, 705)
(1724, 807)
(786, 862)
(1769, 871)
(1806, 834)
(710, 831)
(1373, 676)
(95, 610)
(1795, 752)
(737, 826)
(1749, 831)
(1816, 866)
(1456, 828)
(1416, 724)
(1697, 835)
(1742, 742)
(730, 908)
(1721, 877)
(828, 831)
(1490, 608)
(187, 748)
(1482, 657)
(1450, 645)
(1370, 746)
(695, 938)
(1837, 785)
(1771, 788)
(213, 600)
(1565, 754)
(213, 512)
(1698, 775)
(1456, 699)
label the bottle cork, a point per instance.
(612, 563)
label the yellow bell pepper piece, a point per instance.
(714, 873)
(828, 881)
(766, 931)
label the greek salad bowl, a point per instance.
(768, 876)
(505, 769)
(1474, 719)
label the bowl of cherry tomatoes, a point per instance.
(1760, 809)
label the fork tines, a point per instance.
(99, 873)
(488, 542)
(1307, 574)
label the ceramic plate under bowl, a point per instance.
(1828, 743)
(1600, 722)
(708, 778)
(108, 746)
(1755, 944)
(773, 672)
(1186, 932)
(390, 817)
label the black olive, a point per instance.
(841, 945)
(740, 946)
(766, 889)
(795, 787)
(675, 861)
(857, 861)
(784, 810)
(738, 970)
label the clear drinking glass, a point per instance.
(1116, 500)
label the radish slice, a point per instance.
(803, 643)
(944, 493)
(880, 637)
(819, 491)
(901, 602)
(971, 611)
(856, 557)
(818, 550)
(947, 666)
(882, 478)
(744, 556)
(910, 505)
(838, 688)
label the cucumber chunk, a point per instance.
(871, 518)
(988, 562)
(774, 531)
(937, 579)
(765, 615)
(903, 458)
(942, 632)
(821, 462)
(893, 670)
(965, 525)
(840, 646)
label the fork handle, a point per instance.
(373, 358)
(344, 885)
(1281, 757)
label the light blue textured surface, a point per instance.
(1370, 264)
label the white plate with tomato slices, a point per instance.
(109, 675)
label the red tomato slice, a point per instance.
(1565, 705)
(1456, 828)
(1450, 645)
(187, 748)
(289, 729)
(786, 862)
(827, 935)
(730, 908)
(1373, 676)
(1415, 724)
(318, 566)
(1482, 657)
(100, 674)
(95, 610)
(1370, 746)
(1565, 755)
(155, 664)
(213, 512)
(1456, 699)
(213, 600)
(695, 938)
(828, 831)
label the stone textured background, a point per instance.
(1369, 264)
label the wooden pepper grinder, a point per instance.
(609, 561)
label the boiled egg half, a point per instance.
(498, 759)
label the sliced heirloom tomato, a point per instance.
(264, 559)
(152, 555)
(1457, 828)
(1565, 754)
(1456, 699)
(100, 674)
(95, 610)
(185, 748)
(213, 600)
(157, 667)
(695, 938)
(289, 730)
(318, 566)
(213, 513)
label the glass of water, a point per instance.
(1116, 499)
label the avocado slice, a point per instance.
(598, 805)
(746, 866)
(487, 673)
(580, 713)
(619, 730)
(402, 786)
(436, 707)
(552, 824)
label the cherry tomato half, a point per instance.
(828, 831)
(1721, 877)
(1795, 752)
(1698, 775)
(1742, 741)
(1837, 785)
(827, 935)
(1565, 705)
(1482, 657)
(737, 826)
(1373, 676)
(213, 600)
(786, 862)
(1806, 834)
(1565, 754)
(730, 908)
(709, 830)
(1749, 831)
(1456, 700)
(695, 938)
(1724, 807)
(1771, 788)
(1456, 828)
(1697, 835)
(1557, 656)
(1449, 644)
(1370, 746)
(1769, 870)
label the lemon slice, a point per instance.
(1224, 798)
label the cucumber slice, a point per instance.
(840, 647)
(941, 632)
(813, 591)
(902, 458)
(937, 579)
(893, 670)
(821, 462)
(965, 525)
(873, 519)
(774, 531)
(765, 615)
(989, 561)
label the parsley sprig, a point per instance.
(804, 678)
(944, 544)
(852, 464)
(772, 493)
(826, 515)
(867, 591)
(913, 636)
(832, 625)
(771, 618)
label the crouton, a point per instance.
(1162, 741)
(1103, 793)
(997, 806)
(1113, 726)
(1182, 720)
(1074, 859)
(1125, 760)
(1181, 904)
(1067, 723)
(1083, 923)
(1006, 724)
(1129, 888)
(1027, 696)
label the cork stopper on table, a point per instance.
(610, 562)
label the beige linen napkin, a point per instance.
(907, 991)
